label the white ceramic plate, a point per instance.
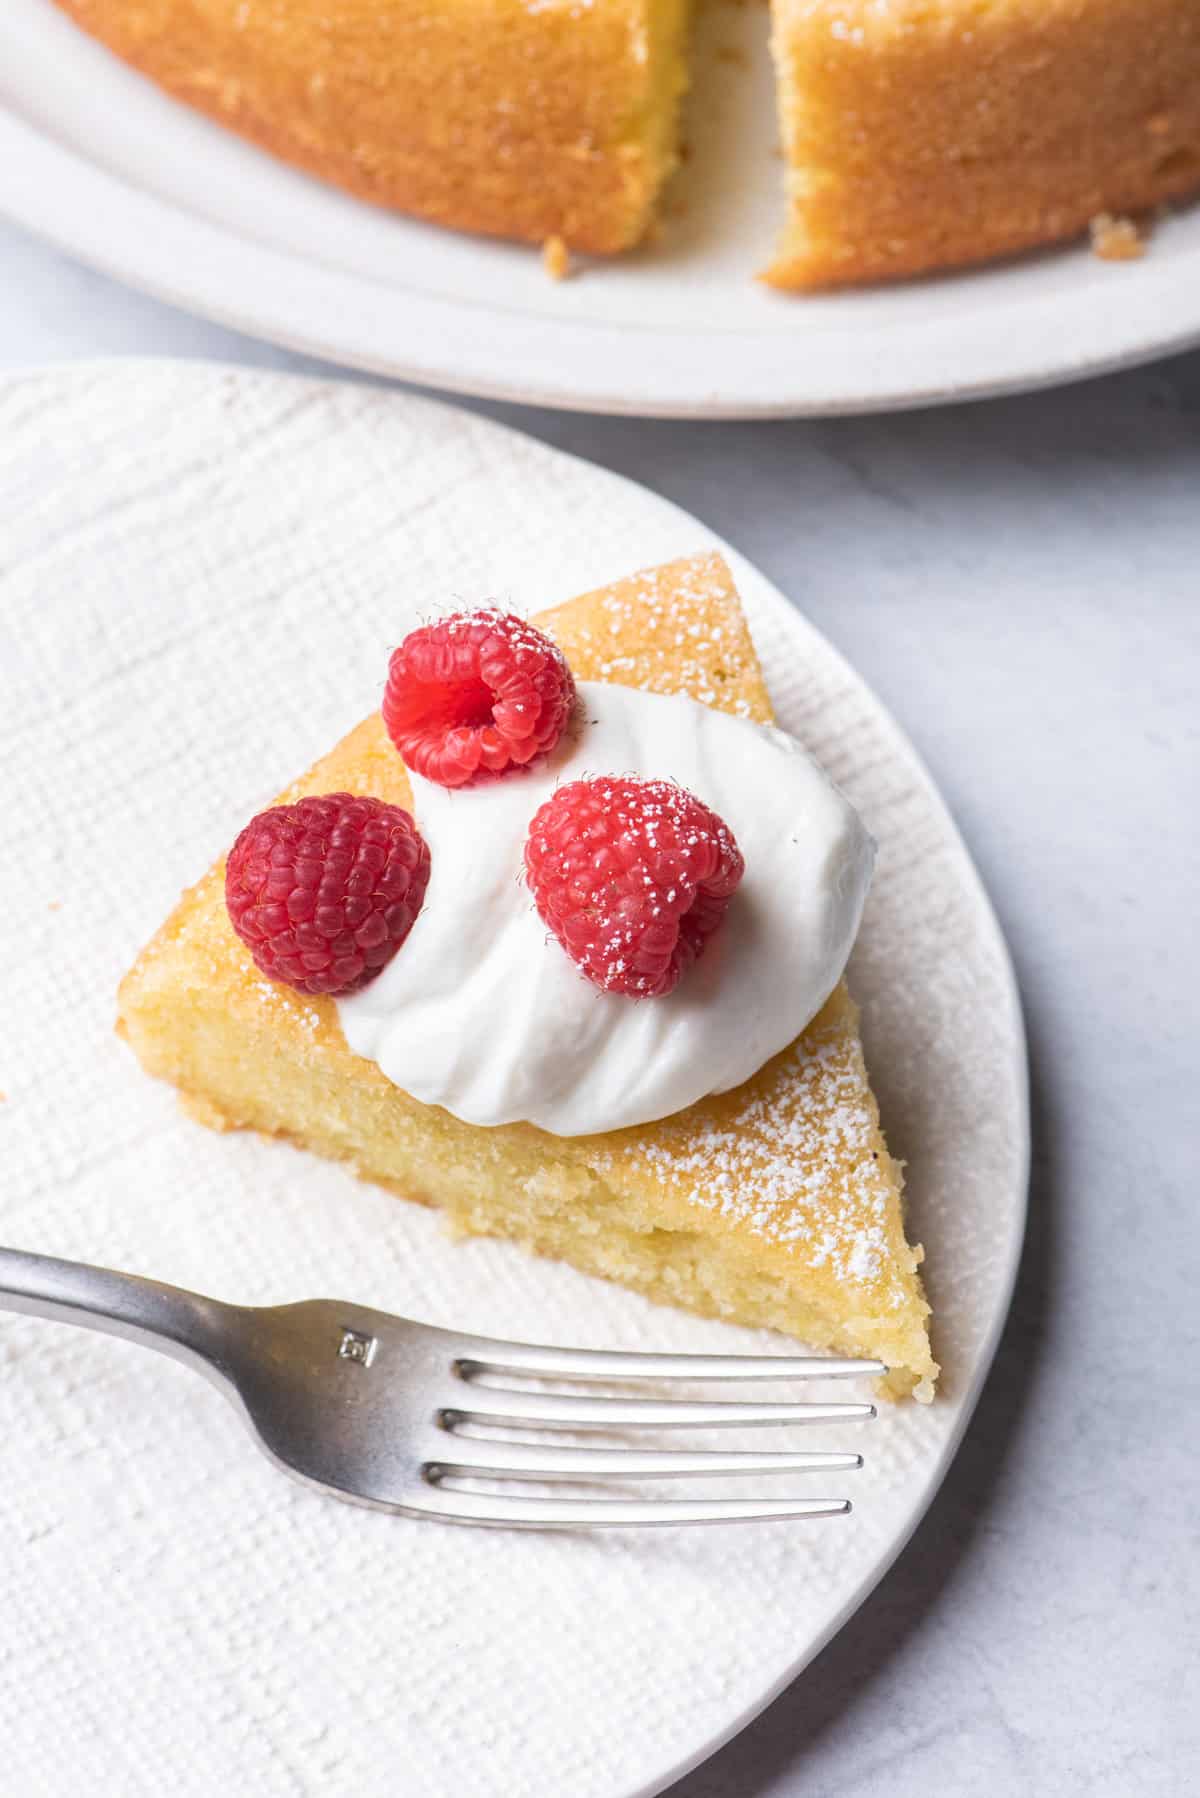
(201, 573)
(96, 159)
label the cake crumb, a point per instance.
(54, 905)
(556, 259)
(1116, 239)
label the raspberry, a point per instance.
(632, 876)
(474, 695)
(324, 892)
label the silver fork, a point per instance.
(376, 1409)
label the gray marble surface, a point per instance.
(1020, 582)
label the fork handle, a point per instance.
(196, 1330)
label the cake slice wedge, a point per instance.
(776, 1204)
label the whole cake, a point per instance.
(918, 134)
(554, 943)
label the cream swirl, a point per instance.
(483, 1013)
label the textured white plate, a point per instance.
(201, 573)
(95, 158)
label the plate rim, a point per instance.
(217, 273)
(773, 597)
(792, 619)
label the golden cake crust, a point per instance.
(554, 119)
(777, 1203)
(921, 134)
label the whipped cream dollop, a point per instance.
(482, 1012)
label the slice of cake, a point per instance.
(534, 119)
(924, 133)
(773, 1203)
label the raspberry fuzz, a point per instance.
(474, 695)
(324, 892)
(632, 876)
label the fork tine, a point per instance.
(600, 1513)
(617, 1364)
(567, 1411)
(481, 1459)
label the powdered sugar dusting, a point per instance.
(676, 652)
(267, 993)
(793, 1157)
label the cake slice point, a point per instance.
(776, 1204)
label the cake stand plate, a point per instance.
(96, 159)
(201, 574)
